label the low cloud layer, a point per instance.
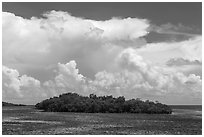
(135, 79)
(44, 57)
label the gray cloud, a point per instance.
(179, 29)
(181, 62)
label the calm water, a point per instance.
(194, 111)
(192, 107)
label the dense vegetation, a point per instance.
(11, 104)
(72, 102)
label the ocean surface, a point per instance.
(187, 110)
(193, 107)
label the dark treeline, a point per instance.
(72, 102)
(11, 104)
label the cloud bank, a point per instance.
(101, 57)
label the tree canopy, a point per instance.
(72, 102)
(11, 104)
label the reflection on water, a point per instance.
(188, 113)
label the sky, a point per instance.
(137, 50)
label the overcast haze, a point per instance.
(137, 50)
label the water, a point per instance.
(189, 107)
(194, 111)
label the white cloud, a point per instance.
(111, 55)
(22, 88)
(161, 79)
(60, 37)
(68, 76)
(132, 81)
(122, 29)
(136, 78)
(68, 79)
(190, 49)
(18, 88)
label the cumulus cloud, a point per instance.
(108, 57)
(58, 36)
(158, 77)
(117, 29)
(25, 89)
(190, 49)
(19, 88)
(138, 78)
(67, 78)
(135, 79)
